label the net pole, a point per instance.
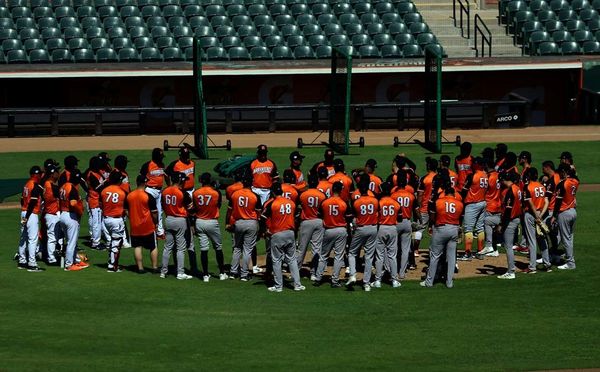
(438, 110)
(347, 102)
(200, 127)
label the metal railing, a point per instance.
(464, 10)
(485, 39)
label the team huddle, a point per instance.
(493, 198)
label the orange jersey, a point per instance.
(31, 190)
(262, 173)
(426, 187)
(567, 190)
(310, 204)
(280, 214)
(388, 211)
(493, 199)
(406, 200)
(50, 198)
(453, 179)
(477, 184)
(330, 169)
(155, 175)
(93, 196)
(207, 202)
(290, 192)
(140, 206)
(187, 169)
(448, 211)
(346, 181)
(113, 200)
(174, 201)
(300, 181)
(233, 188)
(366, 210)
(356, 194)
(408, 188)
(244, 204)
(325, 188)
(463, 169)
(125, 182)
(375, 184)
(68, 193)
(551, 189)
(334, 212)
(512, 201)
(536, 193)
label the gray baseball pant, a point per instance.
(491, 220)
(54, 233)
(157, 195)
(509, 236)
(95, 225)
(387, 249)
(474, 217)
(404, 232)
(532, 240)
(244, 235)
(363, 236)
(335, 239)
(208, 231)
(566, 226)
(116, 229)
(175, 230)
(28, 241)
(283, 247)
(310, 231)
(424, 218)
(443, 238)
(69, 222)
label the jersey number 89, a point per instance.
(367, 209)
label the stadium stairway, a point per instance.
(438, 15)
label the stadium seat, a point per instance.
(348, 19)
(157, 21)
(548, 48)
(342, 8)
(260, 53)
(536, 38)
(247, 30)
(182, 31)
(384, 7)
(214, 10)
(566, 15)
(150, 55)
(299, 9)
(83, 56)
(42, 11)
(238, 53)
(185, 42)
(226, 3)
(86, 11)
(208, 42)
(28, 33)
(339, 40)
(268, 30)
(198, 21)
(391, 51)
(79, 43)
(436, 49)
(143, 3)
(273, 41)
(349, 50)
(418, 28)
(426, 38)
(53, 44)
(93, 32)
(318, 9)
(519, 20)
(569, 48)
(202, 31)
(306, 19)
(193, 10)
(136, 32)
(354, 29)
(230, 42)
(116, 32)
(252, 41)
(527, 29)
(9, 34)
(284, 19)
(134, 21)
(110, 22)
(170, 11)
(217, 21)
(368, 51)
(241, 20)
(108, 11)
(369, 18)
(362, 8)
(332, 29)
(388, 18)
(412, 51)
(6, 23)
(591, 47)
(39, 56)
(47, 22)
(11, 44)
(560, 37)
(224, 31)
(38, 3)
(359, 40)
(165, 42)
(324, 51)
(397, 28)
(128, 55)
(597, 35)
(101, 3)
(172, 54)
(24, 22)
(151, 11)
(537, 5)
(406, 8)
(67, 22)
(310, 30)
(278, 9)
(216, 54)
(588, 15)
(375, 29)
(326, 19)
(159, 31)
(235, 10)
(303, 52)
(383, 39)
(106, 55)
(121, 42)
(558, 5)
(316, 41)
(290, 30)
(546, 15)
(553, 26)
(576, 25)
(32, 44)
(594, 25)
(73, 32)
(123, 3)
(16, 56)
(21, 12)
(579, 5)
(143, 42)
(294, 41)
(282, 52)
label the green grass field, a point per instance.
(94, 320)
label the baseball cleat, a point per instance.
(467, 256)
(565, 267)
(416, 253)
(396, 284)
(507, 276)
(522, 249)
(155, 270)
(16, 257)
(206, 278)
(244, 278)
(162, 276)
(424, 284)
(73, 268)
(82, 264)
(275, 289)
(529, 271)
(351, 280)
(367, 287)
(539, 261)
(223, 276)
(118, 270)
(35, 269)
(494, 253)
(547, 268)
(412, 267)
(184, 277)
(299, 288)
(336, 285)
(376, 284)
(479, 256)
(347, 271)
(256, 270)
(22, 266)
(141, 272)
(486, 250)
(126, 245)
(313, 278)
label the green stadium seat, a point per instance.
(6, 23)
(21, 12)
(260, 53)
(157, 21)
(165, 3)
(282, 52)
(236, 10)
(123, 3)
(513, 8)
(230, 42)
(384, 7)
(390, 51)
(362, 8)
(172, 54)
(569, 48)
(106, 55)
(316, 41)
(406, 8)
(151, 11)
(268, 3)
(273, 41)
(588, 15)
(339, 40)
(31, 44)
(411, 18)
(596, 5)
(11, 44)
(185, 42)
(597, 35)
(51, 33)
(193, 10)
(136, 32)
(546, 15)
(241, 20)
(83, 56)
(290, 30)
(110, 22)
(217, 21)
(143, 42)
(294, 41)
(47, 22)
(108, 11)
(101, 3)
(128, 55)
(299, 9)
(263, 20)
(223, 31)
(404, 39)
(53, 44)
(383, 39)
(553, 26)
(67, 22)
(306, 19)
(566, 15)
(278, 9)
(79, 43)
(37, 3)
(22, 23)
(369, 51)
(247, 30)
(323, 51)
(369, 18)
(189, 54)
(28, 33)
(73, 32)
(252, 41)
(426, 38)
(143, 3)
(64, 11)
(375, 29)
(257, 9)
(121, 42)
(303, 52)
(216, 54)
(15, 56)
(247, 3)
(86, 11)
(310, 30)
(548, 48)
(117, 32)
(519, 19)
(527, 29)
(177, 21)
(42, 11)
(318, 9)
(150, 55)
(537, 5)
(284, 19)
(354, 29)
(594, 25)
(412, 51)
(579, 5)
(9, 34)
(78, 3)
(558, 5)
(349, 50)
(535, 39)
(342, 8)
(332, 29)
(268, 30)
(226, 3)
(165, 42)
(57, 3)
(182, 31)
(390, 18)
(134, 21)
(418, 28)
(591, 47)
(214, 10)
(576, 25)
(159, 31)
(198, 21)
(359, 40)
(348, 19)
(170, 11)
(436, 48)
(88, 22)
(238, 53)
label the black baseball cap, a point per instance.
(71, 161)
(295, 155)
(184, 151)
(50, 162)
(104, 156)
(445, 160)
(52, 169)
(276, 189)
(525, 155)
(329, 154)
(178, 177)
(371, 163)
(35, 170)
(141, 179)
(566, 155)
(205, 178)
(262, 149)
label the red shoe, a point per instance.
(522, 249)
(82, 264)
(74, 267)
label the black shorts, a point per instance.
(146, 241)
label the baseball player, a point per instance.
(525, 163)
(565, 213)
(264, 173)
(327, 163)
(278, 216)
(401, 162)
(51, 212)
(95, 182)
(444, 235)
(324, 185)
(567, 158)
(374, 180)
(121, 167)
(509, 164)
(176, 203)
(473, 194)
(112, 202)
(289, 186)
(311, 228)
(501, 150)
(386, 246)
(207, 203)
(463, 163)
(493, 209)
(408, 208)
(143, 214)
(334, 211)
(186, 166)
(511, 218)
(105, 168)
(424, 193)
(242, 216)
(452, 175)
(341, 176)
(366, 215)
(488, 153)
(154, 172)
(295, 163)
(30, 211)
(71, 210)
(70, 163)
(535, 205)
(550, 181)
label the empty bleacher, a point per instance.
(86, 31)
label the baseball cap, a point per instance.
(141, 179)
(371, 163)
(262, 149)
(184, 151)
(295, 155)
(121, 160)
(525, 155)
(52, 169)
(276, 188)
(329, 154)
(50, 162)
(71, 161)
(338, 163)
(104, 156)
(445, 160)
(178, 177)
(205, 178)
(566, 155)
(35, 170)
